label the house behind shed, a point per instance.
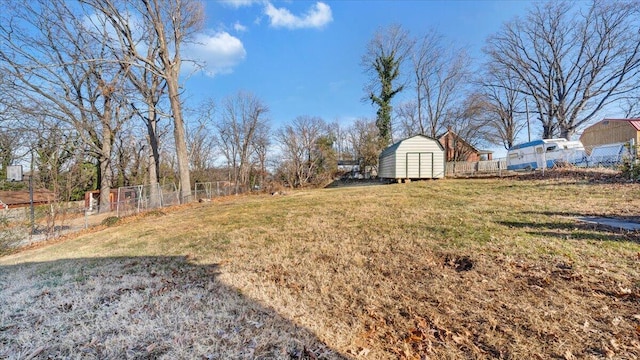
(417, 157)
(458, 149)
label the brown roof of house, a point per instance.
(22, 197)
(633, 122)
(452, 133)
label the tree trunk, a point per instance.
(105, 179)
(171, 73)
(105, 157)
(566, 133)
(154, 160)
(182, 154)
(547, 131)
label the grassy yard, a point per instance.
(447, 269)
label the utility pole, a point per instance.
(33, 217)
(526, 108)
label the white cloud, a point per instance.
(219, 53)
(316, 17)
(239, 27)
(240, 3)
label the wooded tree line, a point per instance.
(561, 64)
(91, 94)
(92, 99)
(77, 74)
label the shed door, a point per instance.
(419, 165)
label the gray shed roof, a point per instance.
(392, 148)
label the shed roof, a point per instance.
(392, 148)
(22, 197)
(633, 122)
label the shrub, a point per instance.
(630, 170)
(110, 221)
(153, 213)
(10, 235)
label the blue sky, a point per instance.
(303, 57)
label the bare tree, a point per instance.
(243, 116)
(57, 66)
(466, 128)
(298, 145)
(440, 74)
(340, 135)
(129, 164)
(201, 140)
(503, 106)
(171, 23)
(382, 62)
(12, 136)
(408, 119)
(53, 149)
(261, 148)
(146, 101)
(571, 63)
(365, 143)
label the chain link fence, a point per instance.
(612, 156)
(135, 199)
(17, 228)
(210, 190)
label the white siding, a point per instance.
(418, 157)
(387, 167)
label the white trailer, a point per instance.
(545, 153)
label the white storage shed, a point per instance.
(417, 157)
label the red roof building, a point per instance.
(458, 149)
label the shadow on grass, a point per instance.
(355, 183)
(574, 214)
(575, 231)
(143, 308)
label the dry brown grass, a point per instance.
(448, 269)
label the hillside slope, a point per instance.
(448, 269)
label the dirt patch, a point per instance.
(459, 263)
